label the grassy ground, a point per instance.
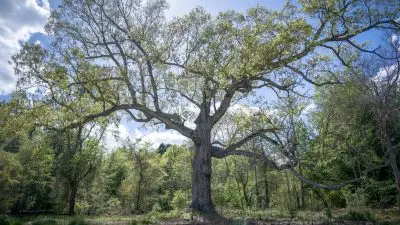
(236, 217)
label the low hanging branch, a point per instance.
(219, 152)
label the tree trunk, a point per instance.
(74, 190)
(288, 190)
(392, 159)
(303, 203)
(140, 181)
(201, 176)
(395, 168)
(258, 197)
(266, 193)
(266, 188)
(392, 152)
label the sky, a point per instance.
(24, 20)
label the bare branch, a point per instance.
(305, 77)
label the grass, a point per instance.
(376, 216)
(6, 220)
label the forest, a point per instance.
(289, 116)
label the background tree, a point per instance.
(78, 154)
(378, 77)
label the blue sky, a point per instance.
(23, 20)
(26, 19)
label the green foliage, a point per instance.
(4, 220)
(45, 222)
(336, 199)
(292, 210)
(157, 67)
(358, 216)
(381, 193)
(78, 221)
(356, 199)
(180, 200)
(10, 179)
(156, 207)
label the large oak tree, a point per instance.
(125, 56)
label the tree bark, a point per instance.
(140, 181)
(201, 175)
(72, 198)
(266, 191)
(392, 156)
(395, 168)
(302, 189)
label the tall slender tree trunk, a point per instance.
(288, 189)
(201, 174)
(72, 199)
(395, 168)
(258, 198)
(266, 193)
(266, 187)
(139, 190)
(392, 156)
(302, 189)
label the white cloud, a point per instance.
(244, 109)
(395, 38)
(311, 107)
(19, 19)
(116, 136)
(158, 137)
(385, 74)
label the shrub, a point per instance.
(292, 210)
(45, 222)
(156, 207)
(336, 199)
(358, 216)
(9, 221)
(78, 221)
(356, 199)
(180, 200)
(381, 193)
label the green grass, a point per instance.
(45, 222)
(6, 220)
(377, 216)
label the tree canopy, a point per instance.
(117, 58)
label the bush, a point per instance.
(336, 199)
(156, 207)
(358, 216)
(78, 221)
(356, 199)
(9, 221)
(180, 200)
(292, 210)
(381, 193)
(45, 222)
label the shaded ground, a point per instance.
(270, 217)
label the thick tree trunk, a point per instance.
(201, 176)
(71, 209)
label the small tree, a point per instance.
(78, 154)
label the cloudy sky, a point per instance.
(24, 20)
